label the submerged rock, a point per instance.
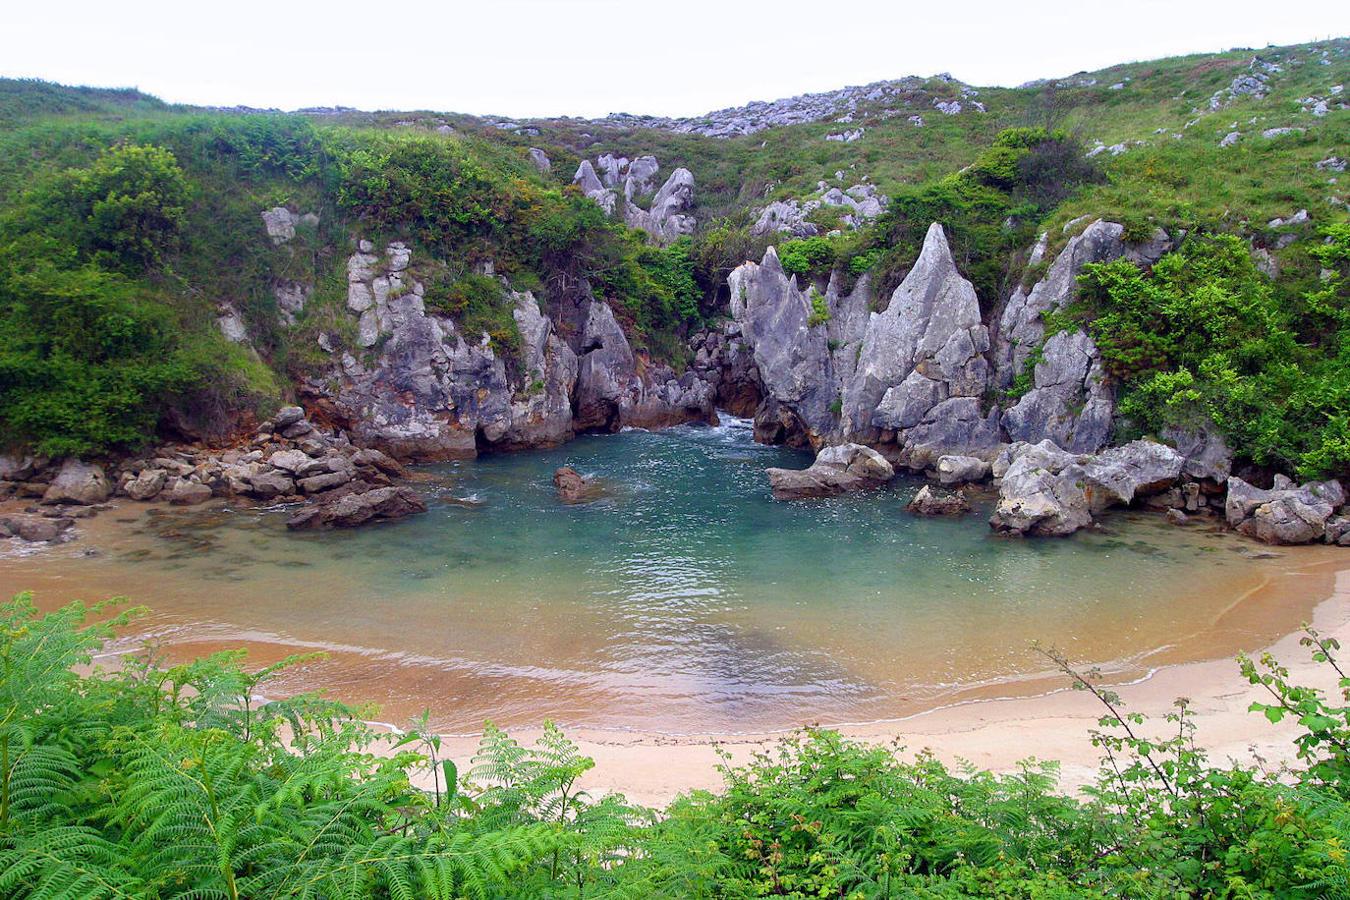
(928, 503)
(359, 508)
(571, 485)
(37, 529)
(844, 467)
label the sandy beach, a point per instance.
(990, 734)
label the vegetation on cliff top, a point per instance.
(147, 268)
(179, 782)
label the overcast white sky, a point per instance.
(592, 57)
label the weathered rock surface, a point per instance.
(928, 503)
(37, 529)
(1047, 491)
(1042, 493)
(791, 354)
(78, 482)
(610, 393)
(430, 391)
(961, 469)
(843, 467)
(1287, 514)
(359, 508)
(922, 370)
(620, 180)
(572, 486)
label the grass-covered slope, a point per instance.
(111, 280)
(180, 783)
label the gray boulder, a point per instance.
(1042, 493)
(147, 484)
(353, 509)
(541, 160)
(1288, 514)
(961, 469)
(1204, 449)
(78, 482)
(928, 503)
(187, 493)
(37, 529)
(837, 469)
(1137, 469)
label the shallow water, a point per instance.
(684, 600)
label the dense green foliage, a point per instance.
(153, 782)
(1205, 335)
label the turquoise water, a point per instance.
(684, 599)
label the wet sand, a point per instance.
(993, 734)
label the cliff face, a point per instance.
(927, 375)
(422, 389)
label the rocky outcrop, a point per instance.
(790, 346)
(1071, 404)
(921, 371)
(78, 482)
(927, 502)
(359, 508)
(1071, 401)
(541, 161)
(837, 469)
(610, 392)
(1047, 491)
(280, 223)
(884, 99)
(620, 180)
(863, 202)
(1042, 493)
(1286, 514)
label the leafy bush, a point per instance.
(1205, 334)
(806, 256)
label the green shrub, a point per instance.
(806, 256)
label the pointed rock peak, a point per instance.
(771, 261)
(936, 251)
(587, 178)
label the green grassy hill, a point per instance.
(134, 265)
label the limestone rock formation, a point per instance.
(1042, 493)
(840, 468)
(1286, 514)
(610, 393)
(541, 160)
(791, 354)
(1047, 491)
(621, 180)
(961, 469)
(433, 392)
(922, 370)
